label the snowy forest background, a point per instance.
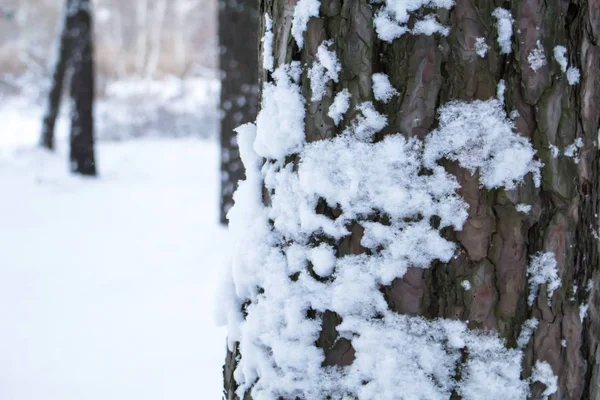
(107, 285)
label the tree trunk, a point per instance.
(75, 53)
(323, 331)
(58, 77)
(82, 92)
(238, 58)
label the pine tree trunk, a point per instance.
(238, 58)
(495, 246)
(82, 92)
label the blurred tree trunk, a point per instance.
(82, 92)
(497, 241)
(238, 58)
(76, 55)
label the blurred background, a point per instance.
(108, 283)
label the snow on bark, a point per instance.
(542, 270)
(480, 137)
(391, 20)
(280, 123)
(537, 58)
(542, 372)
(303, 12)
(325, 68)
(504, 21)
(481, 47)
(382, 88)
(339, 107)
(279, 276)
(267, 41)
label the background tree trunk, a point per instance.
(76, 54)
(82, 92)
(238, 58)
(58, 77)
(497, 241)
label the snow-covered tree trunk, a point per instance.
(420, 212)
(238, 58)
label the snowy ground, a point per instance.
(107, 286)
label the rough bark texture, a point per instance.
(497, 241)
(75, 57)
(238, 46)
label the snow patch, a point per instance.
(526, 334)
(466, 285)
(542, 372)
(504, 23)
(267, 41)
(560, 55)
(573, 76)
(480, 137)
(391, 20)
(537, 58)
(542, 270)
(481, 47)
(523, 208)
(339, 107)
(572, 150)
(280, 122)
(304, 11)
(382, 88)
(325, 68)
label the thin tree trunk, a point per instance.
(238, 43)
(485, 283)
(82, 93)
(58, 77)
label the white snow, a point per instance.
(267, 41)
(560, 55)
(481, 47)
(325, 68)
(573, 76)
(323, 259)
(480, 137)
(280, 122)
(303, 12)
(542, 372)
(107, 285)
(572, 150)
(526, 334)
(523, 208)
(537, 58)
(583, 309)
(340, 105)
(391, 20)
(504, 23)
(501, 91)
(554, 151)
(382, 88)
(542, 270)
(466, 285)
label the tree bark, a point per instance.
(238, 58)
(497, 241)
